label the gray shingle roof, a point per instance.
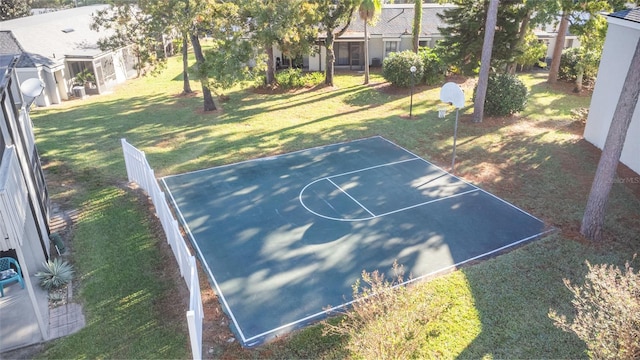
(43, 41)
(629, 14)
(10, 47)
(395, 20)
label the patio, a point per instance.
(18, 322)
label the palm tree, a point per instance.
(368, 11)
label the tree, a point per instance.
(576, 16)
(130, 25)
(12, 9)
(463, 38)
(530, 15)
(186, 84)
(594, 214)
(283, 22)
(174, 16)
(417, 24)
(481, 92)
(591, 36)
(227, 61)
(202, 71)
(531, 52)
(559, 45)
(333, 14)
(301, 39)
(368, 11)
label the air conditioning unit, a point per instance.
(78, 91)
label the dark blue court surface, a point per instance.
(284, 237)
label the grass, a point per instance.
(495, 309)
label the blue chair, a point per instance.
(9, 274)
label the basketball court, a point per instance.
(284, 238)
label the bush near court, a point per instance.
(434, 67)
(607, 312)
(387, 320)
(506, 95)
(396, 68)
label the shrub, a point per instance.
(434, 68)
(607, 312)
(294, 78)
(396, 68)
(387, 321)
(313, 78)
(568, 61)
(574, 59)
(56, 274)
(290, 78)
(506, 95)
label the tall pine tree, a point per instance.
(463, 37)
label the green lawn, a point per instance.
(495, 309)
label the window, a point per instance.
(77, 67)
(108, 69)
(568, 43)
(389, 47)
(342, 53)
(424, 43)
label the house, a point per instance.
(548, 34)
(393, 32)
(24, 215)
(622, 36)
(56, 47)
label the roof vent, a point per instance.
(67, 30)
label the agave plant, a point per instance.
(56, 274)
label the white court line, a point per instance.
(351, 197)
(375, 166)
(464, 181)
(279, 155)
(205, 263)
(373, 216)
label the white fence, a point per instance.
(139, 171)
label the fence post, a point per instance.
(127, 159)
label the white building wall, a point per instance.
(406, 43)
(376, 49)
(616, 59)
(317, 60)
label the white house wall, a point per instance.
(569, 42)
(52, 95)
(316, 61)
(616, 59)
(61, 83)
(406, 43)
(376, 49)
